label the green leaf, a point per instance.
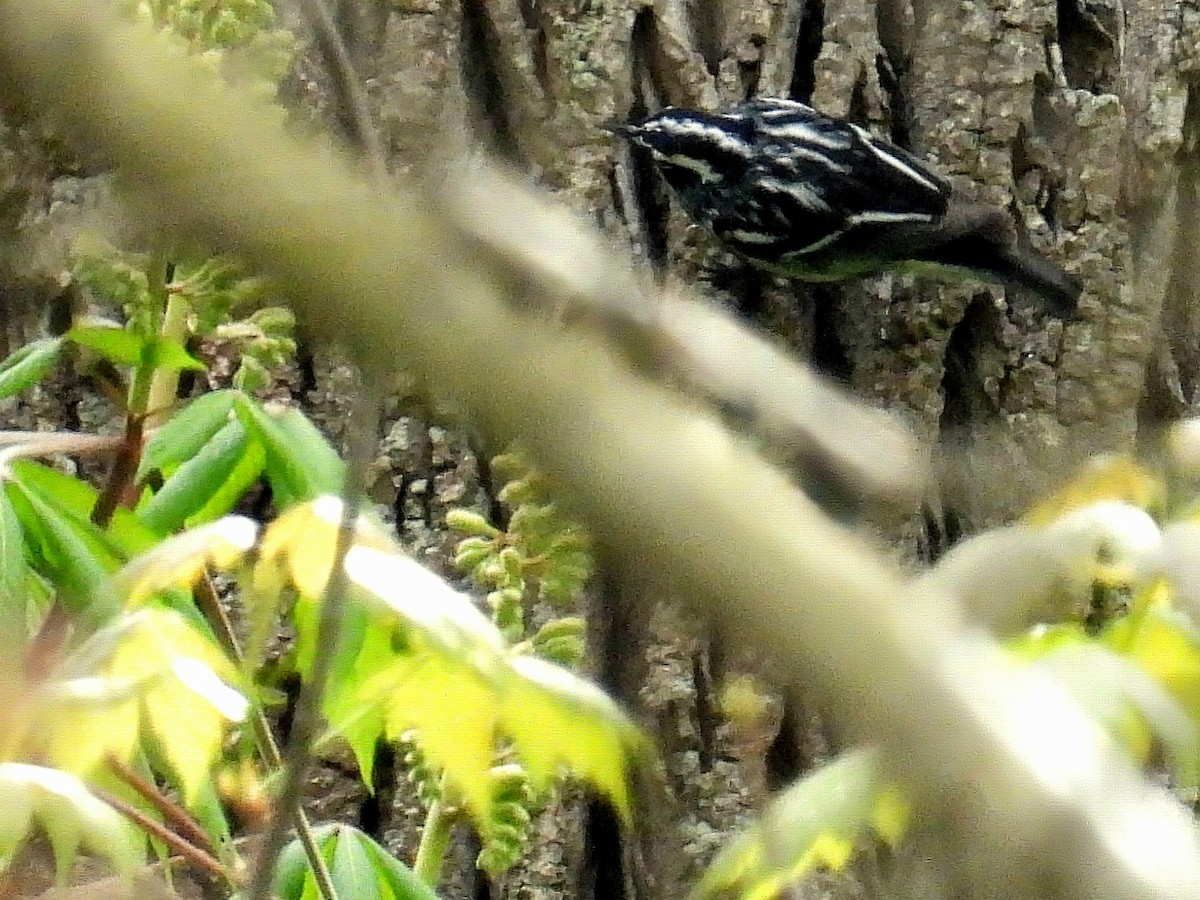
(186, 432)
(291, 869)
(196, 481)
(164, 353)
(358, 720)
(400, 879)
(114, 344)
(352, 869)
(15, 578)
(28, 365)
(74, 555)
(207, 808)
(229, 493)
(301, 464)
(361, 869)
(125, 536)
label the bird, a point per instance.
(817, 198)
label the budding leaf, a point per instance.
(186, 432)
(28, 365)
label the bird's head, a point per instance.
(691, 147)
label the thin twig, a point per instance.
(26, 444)
(84, 442)
(298, 753)
(178, 843)
(178, 818)
(268, 747)
(210, 606)
(121, 473)
(347, 87)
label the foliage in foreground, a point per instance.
(1096, 590)
(148, 688)
(138, 711)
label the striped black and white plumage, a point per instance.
(820, 199)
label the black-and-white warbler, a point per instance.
(821, 199)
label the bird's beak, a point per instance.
(620, 129)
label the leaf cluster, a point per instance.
(541, 554)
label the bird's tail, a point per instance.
(981, 237)
(1024, 269)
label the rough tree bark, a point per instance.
(1078, 115)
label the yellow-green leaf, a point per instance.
(453, 709)
(891, 815)
(68, 813)
(557, 719)
(1119, 478)
(452, 680)
(1044, 639)
(187, 709)
(83, 730)
(178, 561)
(443, 615)
(815, 822)
(1166, 645)
(303, 540)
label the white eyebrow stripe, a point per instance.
(798, 191)
(785, 108)
(714, 133)
(880, 217)
(883, 154)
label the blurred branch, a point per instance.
(1040, 804)
(354, 111)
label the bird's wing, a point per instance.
(867, 179)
